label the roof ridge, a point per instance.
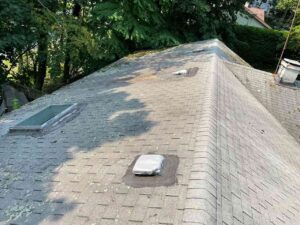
(245, 67)
(229, 55)
(204, 165)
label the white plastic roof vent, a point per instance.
(180, 72)
(148, 165)
(289, 71)
(48, 116)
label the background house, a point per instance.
(253, 16)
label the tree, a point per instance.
(16, 35)
(195, 19)
(128, 25)
(282, 15)
(52, 42)
(76, 10)
(44, 13)
(283, 5)
(124, 26)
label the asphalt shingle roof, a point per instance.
(237, 163)
(283, 102)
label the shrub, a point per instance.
(259, 47)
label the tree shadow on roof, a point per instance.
(29, 187)
(36, 173)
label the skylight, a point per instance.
(47, 117)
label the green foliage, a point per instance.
(281, 16)
(124, 26)
(262, 47)
(293, 50)
(128, 25)
(61, 40)
(15, 104)
(283, 5)
(16, 34)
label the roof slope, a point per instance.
(258, 160)
(281, 101)
(258, 14)
(238, 165)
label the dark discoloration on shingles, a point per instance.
(166, 178)
(192, 71)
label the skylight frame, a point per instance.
(52, 120)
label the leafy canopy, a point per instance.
(54, 41)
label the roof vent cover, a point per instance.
(289, 71)
(148, 165)
(180, 72)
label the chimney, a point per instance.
(288, 71)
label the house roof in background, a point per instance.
(238, 162)
(258, 14)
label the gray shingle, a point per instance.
(238, 165)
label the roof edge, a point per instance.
(225, 53)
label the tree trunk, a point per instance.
(66, 77)
(65, 7)
(42, 61)
(67, 65)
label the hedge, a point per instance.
(262, 47)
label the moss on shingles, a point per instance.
(143, 53)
